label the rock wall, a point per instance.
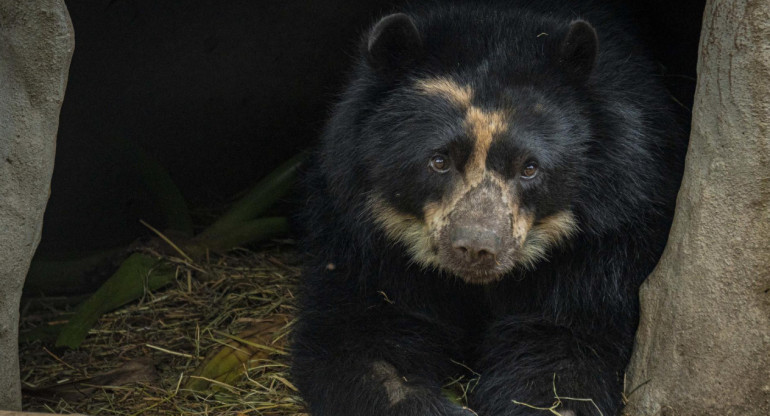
(36, 44)
(703, 345)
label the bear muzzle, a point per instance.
(478, 241)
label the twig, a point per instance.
(167, 240)
(558, 402)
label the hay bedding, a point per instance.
(146, 358)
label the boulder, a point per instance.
(703, 344)
(36, 44)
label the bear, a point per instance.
(494, 184)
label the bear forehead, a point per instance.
(482, 125)
(522, 117)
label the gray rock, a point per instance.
(703, 345)
(36, 44)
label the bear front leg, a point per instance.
(529, 362)
(375, 360)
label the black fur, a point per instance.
(611, 148)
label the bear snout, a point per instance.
(476, 245)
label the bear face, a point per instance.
(480, 171)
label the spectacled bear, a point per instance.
(495, 183)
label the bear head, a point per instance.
(472, 158)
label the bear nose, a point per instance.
(476, 244)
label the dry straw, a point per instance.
(146, 358)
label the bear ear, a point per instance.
(393, 42)
(578, 50)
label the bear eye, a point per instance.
(530, 170)
(439, 163)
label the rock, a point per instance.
(703, 344)
(36, 44)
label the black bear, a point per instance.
(493, 186)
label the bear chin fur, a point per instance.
(382, 330)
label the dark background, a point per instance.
(220, 92)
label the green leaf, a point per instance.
(137, 272)
(258, 200)
(247, 232)
(227, 363)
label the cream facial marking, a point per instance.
(482, 126)
(459, 95)
(408, 229)
(546, 233)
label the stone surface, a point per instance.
(703, 345)
(36, 44)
